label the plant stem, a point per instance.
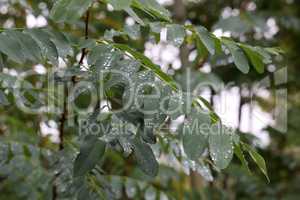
(83, 52)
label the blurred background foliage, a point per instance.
(26, 173)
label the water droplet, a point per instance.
(130, 188)
(150, 193)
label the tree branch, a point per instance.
(83, 52)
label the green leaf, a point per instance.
(87, 43)
(10, 47)
(48, 48)
(69, 10)
(258, 159)
(147, 63)
(238, 55)
(221, 146)
(175, 34)
(147, 132)
(239, 153)
(91, 151)
(275, 50)
(255, 58)
(218, 45)
(153, 8)
(104, 56)
(195, 139)
(180, 104)
(201, 49)
(29, 47)
(145, 157)
(267, 59)
(61, 42)
(206, 39)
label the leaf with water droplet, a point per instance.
(175, 34)
(148, 64)
(104, 57)
(145, 157)
(220, 146)
(130, 188)
(205, 171)
(238, 55)
(179, 104)
(194, 136)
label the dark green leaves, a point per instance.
(35, 45)
(258, 159)
(29, 47)
(254, 57)
(221, 146)
(61, 42)
(104, 56)
(10, 47)
(69, 10)
(239, 153)
(145, 157)
(206, 39)
(48, 48)
(150, 7)
(91, 151)
(238, 56)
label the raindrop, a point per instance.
(150, 193)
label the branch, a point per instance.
(83, 52)
(63, 120)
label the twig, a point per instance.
(83, 52)
(63, 120)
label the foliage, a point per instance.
(132, 153)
